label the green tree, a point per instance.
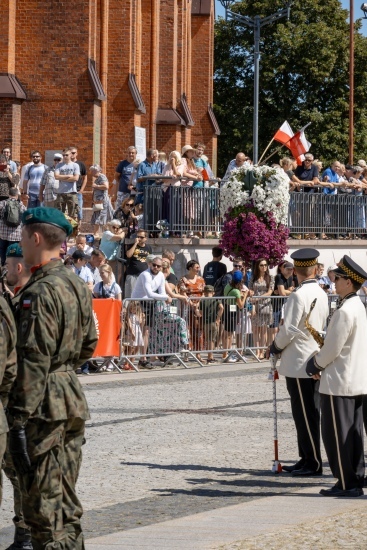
(304, 77)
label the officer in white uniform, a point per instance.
(295, 352)
(341, 362)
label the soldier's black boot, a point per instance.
(22, 540)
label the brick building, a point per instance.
(89, 72)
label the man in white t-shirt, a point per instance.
(150, 285)
(67, 173)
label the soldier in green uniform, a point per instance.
(47, 407)
(8, 370)
(17, 275)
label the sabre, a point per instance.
(274, 376)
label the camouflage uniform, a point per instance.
(56, 335)
(8, 370)
(21, 529)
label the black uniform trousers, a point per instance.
(342, 434)
(365, 413)
(306, 416)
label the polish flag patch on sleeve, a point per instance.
(27, 304)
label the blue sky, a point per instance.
(219, 10)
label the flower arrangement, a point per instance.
(254, 203)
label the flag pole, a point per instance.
(267, 147)
(273, 153)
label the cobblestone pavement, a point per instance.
(164, 447)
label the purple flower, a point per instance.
(251, 236)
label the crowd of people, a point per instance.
(170, 213)
(219, 310)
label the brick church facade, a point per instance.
(87, 73)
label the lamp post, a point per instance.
(351, 81)
(256, 23)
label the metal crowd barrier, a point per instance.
(188, 210)
(334, 214)
(202, 330)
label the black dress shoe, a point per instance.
(307, 472)
(336, 492)
(296, 466)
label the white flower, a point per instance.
(270, 194)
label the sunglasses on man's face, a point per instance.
(156, 265)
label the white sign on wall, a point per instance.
(140, 141)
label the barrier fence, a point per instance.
(185, 209)
(189, 210)
(198, 330)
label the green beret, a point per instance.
(14, 251)
(51, 216)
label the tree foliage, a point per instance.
(304, 77)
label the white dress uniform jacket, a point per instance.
(344, 353)
(297, 351)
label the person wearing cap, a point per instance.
(295, 352)
(47, 193)
(47, 407)
(10, 234)
(80, 267)
(190, 170)
(340, 365)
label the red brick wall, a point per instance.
(202, 95)
(49, 56)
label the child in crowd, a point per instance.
(107, 288)
(134, 321)
(210, 312)
(139, 216)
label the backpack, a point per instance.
(12, 216)
(220, 285)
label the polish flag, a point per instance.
(299, 144)
(284, 134)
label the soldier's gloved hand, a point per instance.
(312, 368)
(18, 450)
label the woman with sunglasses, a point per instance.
(126, 216)
(262, 284)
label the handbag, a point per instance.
(265, 307)
(97, 206)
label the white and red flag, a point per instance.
(299, 144)
(284, 134)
